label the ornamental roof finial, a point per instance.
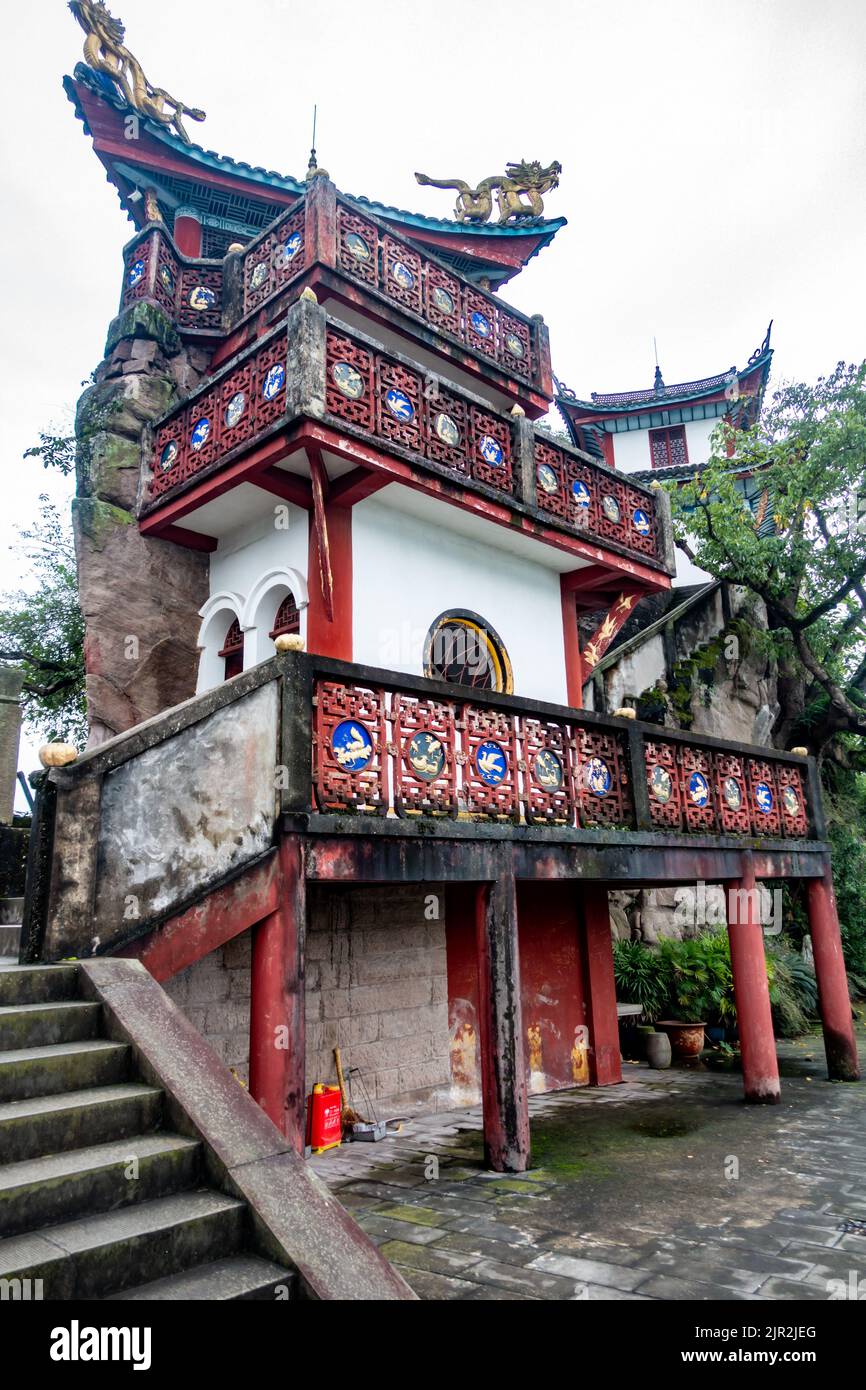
(313, 170)
(105, 52)
(518, 192)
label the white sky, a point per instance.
(713, 170)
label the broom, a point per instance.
(348, 1115)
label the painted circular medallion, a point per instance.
(491, 763)
(403, 275)
(610, 507)
(235, 409)
(447, 430)
(699, 789)
(661, 785)
(168, 455)
(348, 380)
(514, 345)
(201, 298)
(547, 479)
(166, 276)
(200, 433)
(490, 450)
(357, 246)
(732, 793)
(790, 801)
(135, 274)
(442, 300)
(481, 323)
(763, 798)
(426, 756)
(581, 493)
(640, 521)
(597, 776)
(274, 381)
(399, 404)
(259, 275)
(548, 770)
(352, 745)
(288, 251)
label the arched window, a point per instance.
(288, 618)
(465, 650)
(233, 650)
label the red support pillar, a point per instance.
(277, 1073)
(574, 672)
(503, 1067)
(188, 233)
(605, 1064)
(840, 1044)
(751, 990)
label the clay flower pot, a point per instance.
(658, 1051)
(687, 1039)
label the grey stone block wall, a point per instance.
(215, 996)
(377, 987)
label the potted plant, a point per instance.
(701, 990)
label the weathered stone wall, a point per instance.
(140, 597)
(215, 996)
(377, 988)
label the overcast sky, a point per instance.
(713, 170)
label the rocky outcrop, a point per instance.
(140, 597)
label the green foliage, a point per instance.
(807, 457)
(700, 982)
(641, 977)
(55, 450)
(845, 809)
(793, 991)
(42, 631)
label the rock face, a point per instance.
(140, 597)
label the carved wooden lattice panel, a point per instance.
(763, 797)
(269, 383)
(137, 271)
(641, 521)
(490, 450)
(663, 784)
(448, 430)
(601, 778)
(399, 405)
(515, 345)
(202, 435)
(350, 748)
(401, 274)
(358, 251)
(489, 759)
(696, 768)
(424, 747)
(259, 274)
(442, 299)
(610, 518)
(200, 299)
(584, 498)
(169, 455)
(167, 282)
(349, 386)
(547, 773)
(792, 800)
(480, 323)
(237, 407)
(732, 794)
(550, 482)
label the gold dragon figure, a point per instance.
(105, 52)
(519, 192)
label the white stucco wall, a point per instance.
(408, 572)
(631, 450)
(251, 572)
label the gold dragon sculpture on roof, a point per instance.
(519, 192)
(105, 52)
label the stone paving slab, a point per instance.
(631, 1195)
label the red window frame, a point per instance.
(287, 619)
(233, 650)
(663, 438)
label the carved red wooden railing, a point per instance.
(590, 500)
(191, 292)
(377, 749)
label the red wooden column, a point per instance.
(188, 233)
(751, 990)
(277, 1073)
(574, 672)
(329, 615)
(839, 1042)
(605, 1065)
(503, 1067)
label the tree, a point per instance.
(43, 631)
(807, 456)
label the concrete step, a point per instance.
(98, 1255)
(40, 1025)
(56, 1123)
(238, 1277)
(41, 1071)
(103, 1177)
(36, 984)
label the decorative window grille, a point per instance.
(233, 651)
(288, 618)
(668, 447)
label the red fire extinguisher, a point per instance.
(324, 1122)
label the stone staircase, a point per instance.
(11, 913)
(99, 1198)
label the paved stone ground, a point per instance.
(667, 1187)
